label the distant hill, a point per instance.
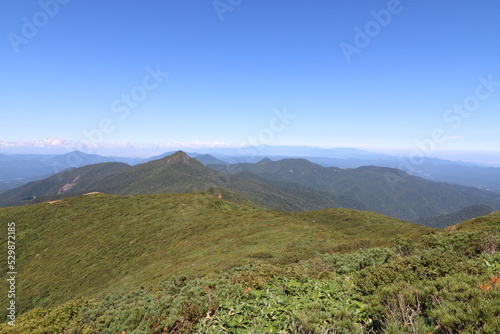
(176, 173)
(208, 159)
(71, 182)
(16, 170)
(93, 244)
(490, 223)
(384, 190)
(438, 170)
(467, 213)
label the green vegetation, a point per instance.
(487, 223)
(195, 263)
(467, 213)
(388, 191)
(444, 283)
(94, 244)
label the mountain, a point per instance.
(487, 178)
(16, 170)
(287, 170)
(286, 185)
(467, 213)
(93, 244)
(468, 174)
(439, 170)
(19, 169)
(66, 183)
(208, 159)
(176, 173)
(459, 172)
(387, 191)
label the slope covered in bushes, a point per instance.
(446, 283)
(95, 244)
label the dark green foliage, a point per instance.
(467, 213)
(437, 255)
(416, 292)
(388, 191)
(347, 263)
(487, 223)
(444, 285)
(64, 318)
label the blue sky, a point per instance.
(68, 66)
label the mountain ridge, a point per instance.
(176, 174)
(386, 190)
(286, 185)
(19, 169)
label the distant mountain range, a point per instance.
(176, 173)
(16, 170)
(408, 198)
(286, 185)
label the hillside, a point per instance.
(387, 191)
(175, 173)
(208, 159)
(18, 169)
(70, 182)
(467, 213)
(152, 268)
(93, 244)
(490, 223)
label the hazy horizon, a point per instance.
(147, 151)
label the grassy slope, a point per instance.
(95, 244)
(447, 282)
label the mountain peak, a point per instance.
(178, 157)
(265, 161)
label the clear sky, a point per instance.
(379, 75)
